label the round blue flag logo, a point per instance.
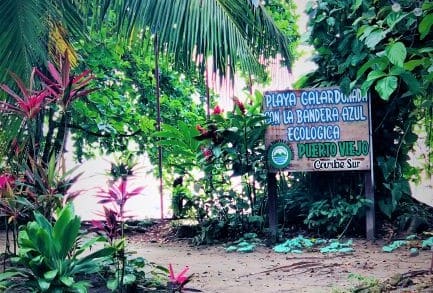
(279, 155)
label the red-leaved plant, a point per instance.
(109, 227)
(29, 103)
(63, 86)
(177, 282)
(118, 195)
(113, 225)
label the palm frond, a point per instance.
(25, 28)
(21, 36)
(233, 33)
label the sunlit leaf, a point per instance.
(396, 53)
(386, 86)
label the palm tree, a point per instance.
(30, 29)
(233, 33)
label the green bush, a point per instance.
(48, 257)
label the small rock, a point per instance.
(414, 252)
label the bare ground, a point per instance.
(265, 271)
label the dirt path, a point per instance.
(266, 271)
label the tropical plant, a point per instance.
(335, 214)
(232, 150)
(36, 108)
(112, 228)
(34, 150)
(118, 195)
(232, 32)
(235, 143)
(177, 282)
(183, 204)
(36, 188)
(42, 28)
(389, 56)
(49, 257)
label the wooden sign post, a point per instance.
(318, 130)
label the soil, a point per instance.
(263, 270)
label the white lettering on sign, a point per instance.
(324, 128)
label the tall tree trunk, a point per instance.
(62, 134)
(49, 137)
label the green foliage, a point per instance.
(328, 204)
(183, 203)
(123, 273)
(49, 256)
(334, 213)
(366, 282)
(181, 147)
(138, 274)
(390, 56)
(121, 115)
(232, 34)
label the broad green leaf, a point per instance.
(396, 53)
(80, 287)
(68, 281)
(403, 186)
(396, 194)
(43, 284)
(386, 208)
(375, 74)
(66, 230)
(366, 86)
(345, 85)
(91, 259)
(393, 18)
(386, 86)
(330, 21)
(320, 18)
(374, 38)
(50, 275)
(44, 243)
(396, 70)
(427, 5)
(89, 244)
(356, 4)
(129, 279)
(42, 222)
(36, 261)
(9, 274)
(425, 25)
(364, 31)
(370, 64)
(412, 64)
